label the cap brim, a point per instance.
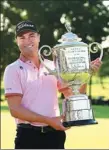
(24, 30)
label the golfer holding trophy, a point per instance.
(72, 60)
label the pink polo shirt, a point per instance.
(37, 88)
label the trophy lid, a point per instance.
(70, 39)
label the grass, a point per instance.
(83, 137)
(99, 111)
(97, 91)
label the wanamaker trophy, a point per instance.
(72, 60)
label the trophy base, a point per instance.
(79, 123)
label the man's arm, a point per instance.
(19, 111)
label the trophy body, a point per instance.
(73, 68)
(72, 61)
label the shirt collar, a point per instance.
(23, 58)
(26, 60)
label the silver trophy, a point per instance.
(72, 60)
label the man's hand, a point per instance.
(65, 89)
(56, 123)
(95, 65)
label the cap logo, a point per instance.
(24, 25)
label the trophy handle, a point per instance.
(46, 52)
(96, 48)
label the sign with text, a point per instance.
(77, 58)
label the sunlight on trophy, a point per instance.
(72, 60)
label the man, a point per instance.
(32, 95)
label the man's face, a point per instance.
(28, 42)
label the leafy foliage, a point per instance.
(89, 20)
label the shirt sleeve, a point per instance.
(12, 84)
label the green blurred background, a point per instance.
(90, 21)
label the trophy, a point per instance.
(72, 60)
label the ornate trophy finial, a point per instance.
(69, 36)
(68, 27)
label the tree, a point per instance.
(89, 20)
